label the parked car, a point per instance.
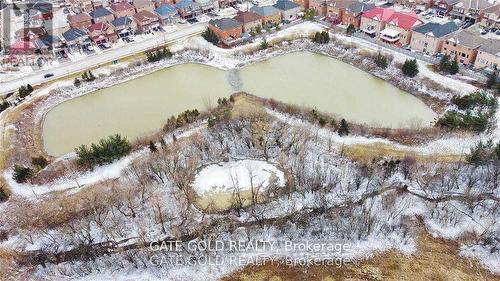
(494, 29)
(498, 32)
(485, 31)
(48, 75)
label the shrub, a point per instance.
(105, 151)
(39, 162)
(381, 61)
(410, 68)
(477, 99)
(456, 120)
(24, 91)
(321, 37)
(350, 29)
(77, 82)
(22, 174)
(88, 76)
(483, 152)
(264, 45)
(446, 65)
(157, 55)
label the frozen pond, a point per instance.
(143, 105)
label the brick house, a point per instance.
(491, 17)
(226, 28)
(167, 13)
(122, 9)
(389, 26)
(101, 33)
(443, 7)
(319, 6)
(81, 20)
(463, 46)
(102, 15)
(302, 3)
(335, 10)
(249, 20)
(76, 38)
(146, 21)
(488, 55)
(353, 12)
(429, 38)
(269, 14)
(471, 10)
(144, 5)
(188, 9)
(81, 6)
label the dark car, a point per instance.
(48, 75)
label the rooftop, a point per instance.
(100, 12)
(224, 23)
(436, 29)
(246, 17)
(265, 10)
(285, 5)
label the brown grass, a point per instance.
(436, 259)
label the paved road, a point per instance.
(99, 59)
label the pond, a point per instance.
(141, 106)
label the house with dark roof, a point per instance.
(188, 9)
(463, 46)
(488, 55)
(249, 20)
(124, 26)
(102, 15)
(352, 14)
(269, 14)
(75, 38)
(226, 29)
(288, 9)
(335, 10)
(389, 25)
(167, 13)
(146, 21)
(81, 20)
(429, 37)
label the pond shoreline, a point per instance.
(40, 106)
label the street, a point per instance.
(99, 59)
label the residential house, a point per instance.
(470, 10)
(146, 21)
(319, 6)
(144, 5)
(124, 26)
(389, 26)
(250, 21)
(53, 42)
(488, 55)
(188, 9)
(100, 3)
(335, 10)
(491, 17)
(81, 6)
(122, 9)
(288, 9)
(28, 47)
(226, 29)
(167, 13)
(158, 3)
(102, 15)
(429, 37)
(443, 7)
(463, 46)
(76, 38)
(208, 6)
(30, 33)
(81, 20)
(227, 3)
(353, 12)
(58, 24)
(101, 33)
(269, 14)
(303, 3)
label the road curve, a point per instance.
(70, 67)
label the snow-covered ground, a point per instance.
(238, 175)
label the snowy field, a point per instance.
(237, 176)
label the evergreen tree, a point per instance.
(410, 68)
(210, 36)
(22, 174)
(39, 162)
(344, 128)
(77, 82)
(350, 29)
(264, 45)
(444, 63)
(381, 61)
(29, 88)
(453, 67)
